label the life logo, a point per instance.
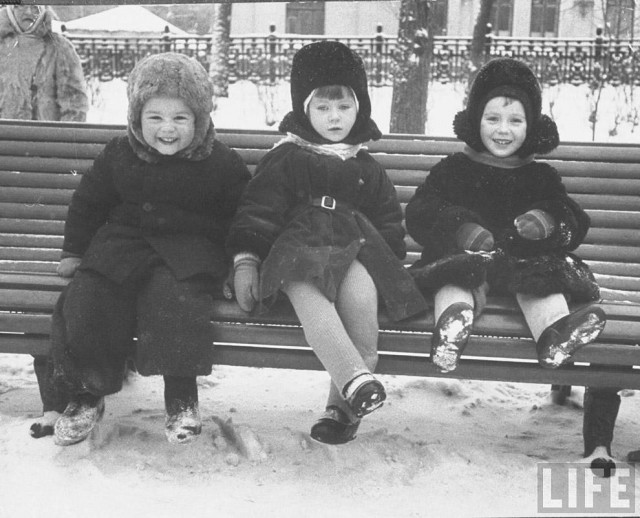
(575, 488)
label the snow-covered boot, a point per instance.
(182, 421)
(364, 394)
(79, 418)
(334, 427)
(559, 342)
(451, 335)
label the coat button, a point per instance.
(147, 207)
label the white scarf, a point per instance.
(342, 151)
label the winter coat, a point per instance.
(280, 221)
(41, 75)
(460, 190)
(125, 206)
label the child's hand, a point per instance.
(246, 280)
(474, 237)
(68, 266)
(534, 224)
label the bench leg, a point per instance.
(600, 413)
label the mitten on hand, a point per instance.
(474, 237)
(68, 266)
(246, 280)
(535, 224)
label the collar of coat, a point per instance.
(342, 151)
(486, 158)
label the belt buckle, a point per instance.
(328, 202)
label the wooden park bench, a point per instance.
(42, 163)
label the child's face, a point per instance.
(168, 124)
(333, 118)
(503, 126)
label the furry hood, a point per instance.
(8, 25)
(325, 63)
(511, 78)
(173, 75)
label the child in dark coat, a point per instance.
(493, 217)
(144, 242)
(322, 220)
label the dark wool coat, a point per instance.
(41, 75)
(318, 245)
(459, 190)
(125, 206)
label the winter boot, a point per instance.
(334, 427)
(79, 418)
(364, 394)
(451, 335)
(182, 421)
(558, 342)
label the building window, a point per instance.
(439, 16)
(305, 17)
(619, 18)
(544, 18)
(502, 17)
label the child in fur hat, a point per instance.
(322, 221)
(493, 217)
(144, 243)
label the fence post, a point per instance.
(599, 43)
(488, 40)
(272, 53)
(166, 38)
(379, 49)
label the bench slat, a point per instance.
(39, 180)
(34, 195)
(31, 226)
(31, 240)
(35, 211)
(26, 254)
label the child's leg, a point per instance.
(357, 306)
(92, 335)
(453, 312)
(325, 333)
(182, 423)
(175, 338)
(541, 312)
(558, 332)
(448, 295)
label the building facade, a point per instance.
(517, 18)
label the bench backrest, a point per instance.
(42, 163)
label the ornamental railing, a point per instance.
(266, 59)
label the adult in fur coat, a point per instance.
(144, 242)
(492, 217)
(40, 73)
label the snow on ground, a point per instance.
(437, 448)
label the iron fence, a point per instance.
(266, 59)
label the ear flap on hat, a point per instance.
(543, 139)
(464, 130)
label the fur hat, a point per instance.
(510, 78)
(325, 63)
(172, 75)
